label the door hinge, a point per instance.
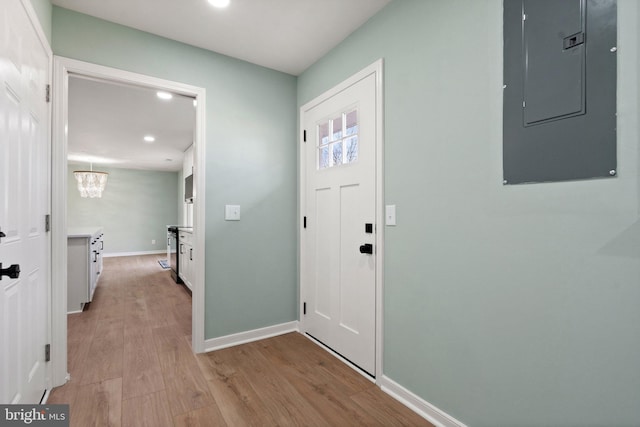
(47, 353)
(304, 136)
(48, 93)
(47, 222)
(304, 308)
(304, 222)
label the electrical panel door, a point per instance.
(559, 117)
(554, 65)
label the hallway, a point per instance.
(131, 364)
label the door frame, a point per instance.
(62, 68)
(375, 69)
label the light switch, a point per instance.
(390, 215)
(232, 212)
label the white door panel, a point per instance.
(339, 283)
(24, 192)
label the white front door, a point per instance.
(24, 194)
(338, 271)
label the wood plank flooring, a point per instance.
(131, 364)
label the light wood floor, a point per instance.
(131, 364)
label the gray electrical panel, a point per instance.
(559, 117)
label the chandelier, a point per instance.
(90, 183)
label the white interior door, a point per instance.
(24, 190)
(339, 269)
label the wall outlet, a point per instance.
(153, 242)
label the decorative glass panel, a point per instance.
(337, 128)
(324, 157)
(352, 122)
(323, 133)
(351, 148)
(336, 149)
(338, 140)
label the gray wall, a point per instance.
(251, 161)
(503, 305)
(134, 209)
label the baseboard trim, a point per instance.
(434, 415)
(249, 336)
(116, 254)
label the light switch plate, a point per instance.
(232, 212)
(390, 215)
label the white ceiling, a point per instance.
(108, 123)
(285, 35)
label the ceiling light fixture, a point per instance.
(149, 138)
(164, 95)
(91, 184)
(219, 3)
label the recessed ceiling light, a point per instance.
(149, 138)
(219, 3)
(164, 95)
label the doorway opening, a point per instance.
(68, 74)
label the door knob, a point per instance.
(367, 248)
(13, 272)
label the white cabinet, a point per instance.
(186, 267)
(85, 247)
(187, 169)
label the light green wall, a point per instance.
(135, 208)
(503, 305)
(251, 161)
(43, 9)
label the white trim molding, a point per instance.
(219, 343)
(426, 410)
(59, 226)
(138, 253)
(37, 26)
(63, 68)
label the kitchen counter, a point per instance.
(83, 231)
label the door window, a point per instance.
(338, 140)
